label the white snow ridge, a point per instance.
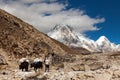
(69, 37)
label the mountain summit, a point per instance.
(62, 27)
(64, 33)
(103, 41)
(69, 37)
(105, 45)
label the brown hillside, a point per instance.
(19, 39)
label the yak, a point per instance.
(37, 65)
(24, 65)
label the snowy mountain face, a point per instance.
(64, 34)
(69, 37)
(106, 45)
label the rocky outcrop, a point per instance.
(2, 60)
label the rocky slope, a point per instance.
(84, 67)
(20, 39)
(88, 67)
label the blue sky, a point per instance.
(93, 18)
(109, 9)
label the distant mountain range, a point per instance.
(69, 37)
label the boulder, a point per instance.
(2, 60)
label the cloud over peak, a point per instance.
(45, 14)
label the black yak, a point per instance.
(37, 65)
(24, 65)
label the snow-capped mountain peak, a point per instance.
(62, 27)
(69, 37)
(102, 40)
(63, 33)
(106, 45)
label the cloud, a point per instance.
(45, 14)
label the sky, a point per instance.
(92, 18)
(103, 8)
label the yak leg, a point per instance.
(35, 69)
